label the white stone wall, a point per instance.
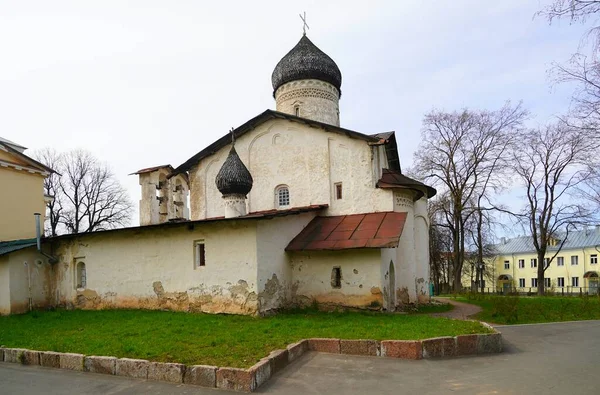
(154, 268)
(422, 250)
(311, 99)
(406, 291)
(361, 277)
(308, 160)
(274, 269)
(25, 273)
(163, 198)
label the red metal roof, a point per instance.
(371, 230)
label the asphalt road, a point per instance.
(538, 359)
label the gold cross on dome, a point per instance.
(305, 25)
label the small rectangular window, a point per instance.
(560, 281)
(338, 191)
(521, 264)
(574, 260)
(546, 262)
(506, 264)
(336, 277)
(575, 281)
(199, 254)
(534, 282)
(522, 283)
(593, 259)
(560, 261)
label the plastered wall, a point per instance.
(308, 160)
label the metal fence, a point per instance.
(525, 291)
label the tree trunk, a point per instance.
(540, 273)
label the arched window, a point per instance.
(81, 275)
(282, 196)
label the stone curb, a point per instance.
(248, 380)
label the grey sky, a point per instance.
(143, 83)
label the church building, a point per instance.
(288, 209)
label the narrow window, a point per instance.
(575, 281)
(506, 264)
(593, 259)
(534, 263)
(574, 260)
(336, 277)
(338, 191)
(560, 281)
(81, 275)
(521, 264)
(534, 282)
(199, 254)
(560, 261)
(282, 196)
(547, 282)
(522, 283)
(297, 111)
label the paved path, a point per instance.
(542, 359)
(461, 311)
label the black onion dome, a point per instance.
(234, 177)
(306, 61)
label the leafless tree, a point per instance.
(88, 197)
(440, 247)
(552, 165)
(462, 154)
(54, 203)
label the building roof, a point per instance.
(393, 179)
(234, 177)
(16, 146)
(370, 230)
(266, 214)
(575, 240)
(16, 150)
(154, 168)
(259, 120)
(306, 61)
(15, 245)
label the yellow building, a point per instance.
(22, 180)
(574, 269)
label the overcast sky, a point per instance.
(144, 83)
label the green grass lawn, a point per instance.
(534, 309)
(222, 340)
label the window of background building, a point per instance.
(593, 259)
(560, 281)
(547, 282)
(521, 263)
(574, 260)
(534, 282)
(560, 261)
(575, 281)
(506, 264)
(522, 283)
(534, 263)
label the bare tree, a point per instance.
(462, 153)
(551, 163)
(88, 197)
(52, 159)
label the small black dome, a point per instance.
(306, 61)
(234, 177)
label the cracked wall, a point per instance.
(153, 268)
(360, 284)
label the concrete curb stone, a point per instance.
(261, 372)
(137, 368)
(13, 355)
(30, 357)
(1, 354)
(439, 347)
(171, 372)
(490, 343)
(50, 359)
(360, 347)
(296, 350)
(99, 364)
(235, 379)
(324, 345)
(203, 375)
(278, 360)
(405, 349)
(466, 344)
(71, 361)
